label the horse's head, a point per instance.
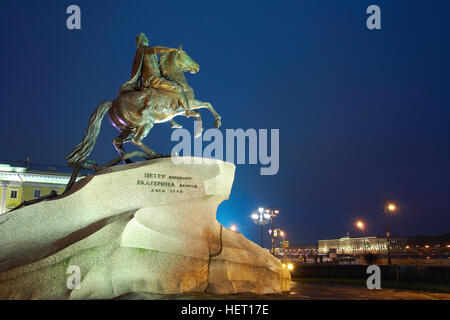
(184, 62)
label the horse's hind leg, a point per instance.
(118, 142)
(139, 136)
(152, 154)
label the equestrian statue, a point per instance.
(156, 92)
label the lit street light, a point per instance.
(283, 235)
(261, 218)
(278, 233)
(361, 226)
(290, 266)
(269, 214)
(388, 207)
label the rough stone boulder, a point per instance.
(144, 227)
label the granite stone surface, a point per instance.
(147, 227)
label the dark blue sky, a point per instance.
(362, 114)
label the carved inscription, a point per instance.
(164, 183)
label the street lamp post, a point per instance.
(261, 218)
(282, 234)
(272, 248)
(279, 233)
(388, 206)
(272, 213)
(361, 226)
(261, 229)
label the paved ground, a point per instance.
(315, 291)
(350, 291)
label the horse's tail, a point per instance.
(79, 154)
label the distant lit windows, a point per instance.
(37, 193)
(13, 194)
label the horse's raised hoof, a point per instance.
(148, 157)
(198, 133)
(175, 125)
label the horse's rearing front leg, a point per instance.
(197, 104)
(139, 136)
(175, 125)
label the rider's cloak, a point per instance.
(136, 72)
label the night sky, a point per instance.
(362, 114)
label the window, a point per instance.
(37, 193)
(13, 194)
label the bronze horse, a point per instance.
(134, 113)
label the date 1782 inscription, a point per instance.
(160, 182)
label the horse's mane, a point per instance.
(166, 65)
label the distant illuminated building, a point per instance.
(18, 184)
(349, 245)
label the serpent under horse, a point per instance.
(134, 113)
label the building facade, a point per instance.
(18, 184)
(348, 245)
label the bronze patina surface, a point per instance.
(156, 92)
